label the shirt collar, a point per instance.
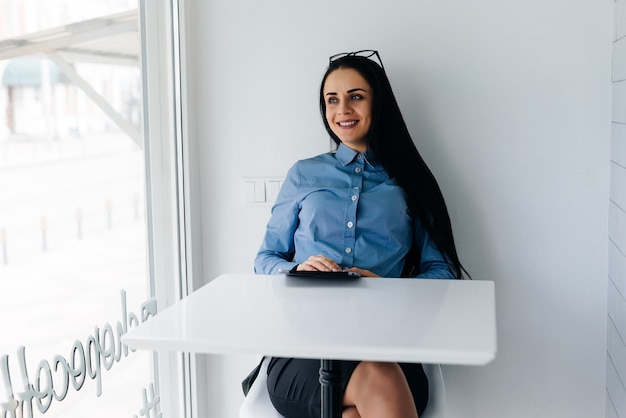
(346, 155)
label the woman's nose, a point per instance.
(345, 108)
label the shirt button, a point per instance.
(348, 250)
(359, 156)
(354, 198)
(350, 224)
(358, 169)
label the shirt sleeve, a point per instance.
(433, 264)
(277, 248)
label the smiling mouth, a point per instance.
(348, 123)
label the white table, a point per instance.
(402, 320)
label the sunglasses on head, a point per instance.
(365, 53)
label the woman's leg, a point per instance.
(294, 387)
(378, 389)
(350, 412)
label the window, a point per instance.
(75, 245)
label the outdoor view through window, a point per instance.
(73, 263)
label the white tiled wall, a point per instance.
(616, 333)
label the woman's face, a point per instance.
(348, 99)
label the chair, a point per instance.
(437, 392)
(257, 403)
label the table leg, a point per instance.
(330, 379)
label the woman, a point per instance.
(371, 206)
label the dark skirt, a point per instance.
(294, 387)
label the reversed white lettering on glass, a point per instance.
(51, 380)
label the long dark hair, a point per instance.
(391, 143)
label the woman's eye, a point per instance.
(332, 100)
(356, 97)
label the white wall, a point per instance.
(509, 103)
(616, 335)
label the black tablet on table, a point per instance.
(322, 274)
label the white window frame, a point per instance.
(171, 175)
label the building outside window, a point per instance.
(74, 269)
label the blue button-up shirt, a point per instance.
(345, 206)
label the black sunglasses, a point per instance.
(365, 53)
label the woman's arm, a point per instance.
(277, 248)
(433, 265)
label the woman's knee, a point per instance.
(378, 371)
(375, 378)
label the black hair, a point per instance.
(392, 145)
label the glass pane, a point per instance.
(73, 263)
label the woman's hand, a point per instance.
(323, 263)
(318, 263)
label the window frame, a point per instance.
(175, 268)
